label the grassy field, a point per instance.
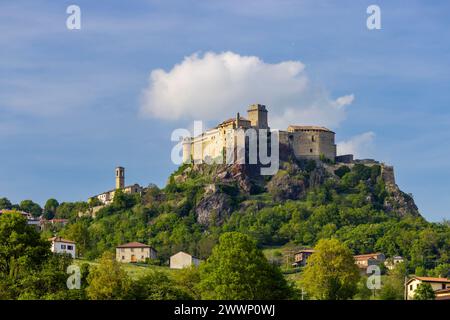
(135, 271)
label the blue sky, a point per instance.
(71, 102)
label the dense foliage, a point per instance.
(349, 208)
(347, 203)
(331, 273)
(28, 270)
(237, 270)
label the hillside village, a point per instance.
(315, 195)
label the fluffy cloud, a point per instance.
(213, 86)
(361, 145)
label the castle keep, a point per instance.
(304, 142)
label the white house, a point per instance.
(182, 260)
(438, 285)
(60, 245)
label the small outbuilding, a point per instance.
(182, 260)
(301, 257)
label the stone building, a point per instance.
(363, 261)
(108, 196)
(301, 257)
(305, 142)
(134, 252)
(182, 260)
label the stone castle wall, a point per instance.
(312, 144)
(305, 142)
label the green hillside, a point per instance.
(302, 203)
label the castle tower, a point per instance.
(257, 114)
(120, 178)
(187, 148)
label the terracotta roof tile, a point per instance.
(59, 239)
(431, 279)
(134, 245)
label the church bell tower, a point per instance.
(120, 178)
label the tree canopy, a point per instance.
(238, 270)
(424, 292)
(107, 280)
(331, 272)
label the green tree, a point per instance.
(331, 272)
(341, 171)
(441, 271)
(94, 202)
(107, 280)
(156, 285)
(79, 232)
(363, 293)
(5, 204)
(238, 270)
(21, 247)
(123, 200)
(393, 285)
(188, 279)
(49, 282)
(31, 207)
(424, 292)
(50, 208)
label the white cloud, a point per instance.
(361, 146)
(345, 100)
(215, 86)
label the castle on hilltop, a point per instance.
(304, 142)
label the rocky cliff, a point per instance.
(225, 188)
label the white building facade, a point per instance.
(182, 260)
(60, 245)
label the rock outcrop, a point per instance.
(397, 201)
(213, 208)
(226, 184)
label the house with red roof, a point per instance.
(441, 287)
(363, 261)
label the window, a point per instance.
(311, 150)
(142, 249)
(410, 287)
(313, 138)
(69, 247)
(123, 258)
(63, 246)
(132, 250)
(142, 257)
